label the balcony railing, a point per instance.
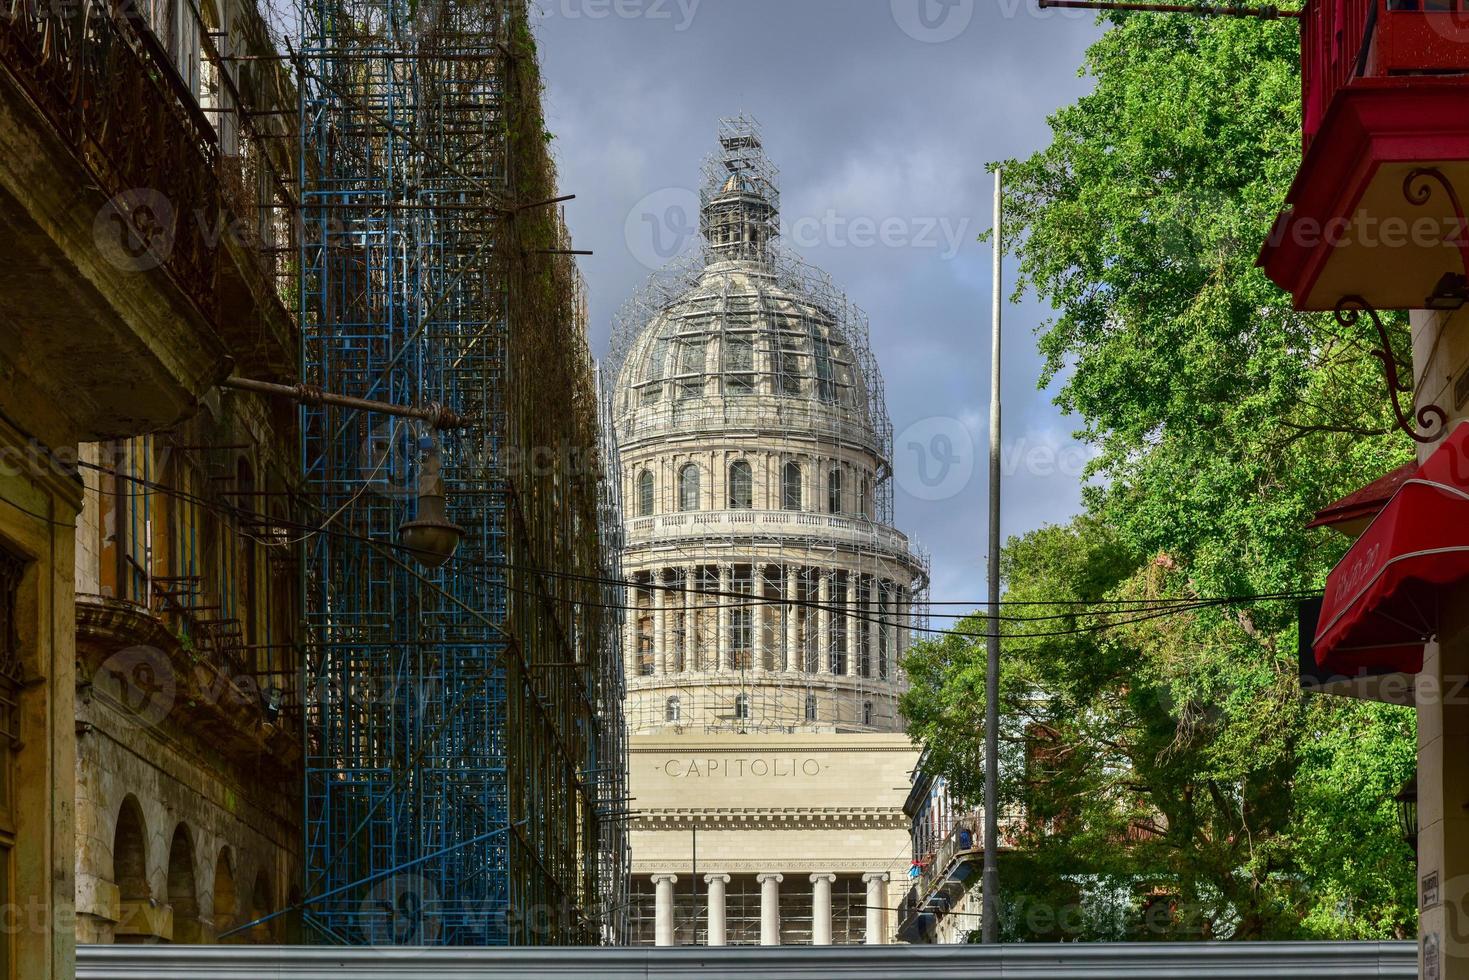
(964, 843)
(113, 97)
(1342, 40)
(855, 532)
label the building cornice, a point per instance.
(771, 818)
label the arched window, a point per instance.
(834, 491)
(741, 486)
(739, 366)
(810, 707)
(742, 707)
(645, 493)
(866, 502)
(688, 488)
(672, 710)
(867, 713)
(790, 486)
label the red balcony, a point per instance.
(1373, 211)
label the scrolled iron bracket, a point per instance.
(1452, 289)
(1348, 312)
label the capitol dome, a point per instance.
(773, 592)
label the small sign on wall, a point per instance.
(1432, 968)
(1430, 890)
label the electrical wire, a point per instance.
(1137, 611)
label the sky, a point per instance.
(882, 116)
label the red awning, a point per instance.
(1382, 598)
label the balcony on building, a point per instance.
(142, 197)
(1374, 211)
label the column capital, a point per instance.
(660, 877)
(827, 876)
(774, 876)
(720, 877)
(876, 876)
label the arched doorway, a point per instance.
(130, 873)
(183, 891)
(261, 904)
(225, 903)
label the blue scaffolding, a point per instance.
(452, 788)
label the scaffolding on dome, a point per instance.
(734, 339)
(465, 755)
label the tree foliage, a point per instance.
(1173, 775)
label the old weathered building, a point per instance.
(143, 215)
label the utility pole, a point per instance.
(990, 881)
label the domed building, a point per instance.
(772, 596)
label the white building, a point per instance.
(773, 597)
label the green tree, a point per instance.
(1178, 763)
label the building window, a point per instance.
(825, 383)
(657, 366)
(690, 368)
(867, 713)
(741, 486)
(810, 707)
(688, 488)
(790, 486)
(834, 491)
(739, 366)
(742, 707)
(645, 493)
(671, 709)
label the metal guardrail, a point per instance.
(1065, 961)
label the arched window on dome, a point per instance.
(867, 713)
(741, 486)
(866, 501)
(656, 370)
(688, 487)
(834, 490)
(690, 382)
(645, 493)
(810, 707)
(826, 388)
(790, 486)
(786, 362)
(672, 710)
(742, 707)
(739, 366)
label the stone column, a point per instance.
(793, 659)
(690, 576)
(630, 633)
(821, 908)
(716, 883)
(854, 623)
(660, 622)
(760, 616)
(874, 624)
(663, 910)
(726, 586)
(769, 907)
(876, 882)
(823, 622)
